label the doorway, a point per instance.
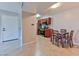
(9, 28)
(9, 33)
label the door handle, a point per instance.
(4, 29)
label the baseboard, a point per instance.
(29, 43)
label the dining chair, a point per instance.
(67, 40)
(58, 40)
(63, 35)
(71, 39)
(54, 36)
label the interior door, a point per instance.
(9, 28)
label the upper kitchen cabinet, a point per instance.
(11, 6)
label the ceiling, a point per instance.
(36, 7)
(64, 7)
(44, 7)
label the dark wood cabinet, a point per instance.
(49, 21)
(43, 27)
(48, 33)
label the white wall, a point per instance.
(11, 6)
(29, 30)
(11, 9)
(68, 20)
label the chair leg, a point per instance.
(62, 44)
(51, 39)
(71, 43)
(58, 43)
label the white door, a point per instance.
(9, 28)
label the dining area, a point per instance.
(62, 38)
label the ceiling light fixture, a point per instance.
(38, 16)
(55, 5)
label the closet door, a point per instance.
(9, 28)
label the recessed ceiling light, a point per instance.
(55, 5)
(37, 15)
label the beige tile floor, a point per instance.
(51, 50)
(43, 47)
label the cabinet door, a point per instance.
(49, 21)
(48, 32)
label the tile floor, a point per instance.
(43, 47)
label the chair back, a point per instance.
(63, 31)
(71, 34)
(55, 31)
